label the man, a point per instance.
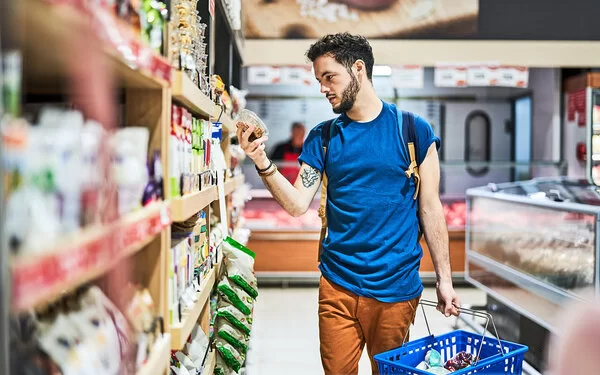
(289, 151)
(370, 284)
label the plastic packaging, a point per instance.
(222, 368)
(240, 266)
(247, 118)
(233, 336)
(236, 296)
(236, 318)
(232, 357)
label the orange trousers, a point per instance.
(347, 322)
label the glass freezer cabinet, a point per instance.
(533, 245)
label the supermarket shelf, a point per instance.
(211, 362)
(233, 183)
(186, 206)
(188, 94)
(228, 123)
(160, 356)
(237, 37)
(83, 257)
(46, 64)
(181, 331)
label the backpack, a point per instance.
(409, 134)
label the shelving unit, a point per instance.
(211, 362)
(181, 331)
(83, 257)
(186, 206)
(53, 35)
(190, 96)
(233, 184)
(159, 357)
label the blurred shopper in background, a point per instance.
(287, 152)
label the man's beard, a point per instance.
(348, 96)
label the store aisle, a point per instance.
(285, 337)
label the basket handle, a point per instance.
(479, 314)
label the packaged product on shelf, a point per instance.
(232, 335)
(141, 315)
(236, 296)
(198, 347)
(154, 189)
(91, 138)
(222, 368)
(174, 171)
(153, 15)
(240, 266)
(130, 152)
(236, 318)
(238, 98)
(89, 335)
(232, 357)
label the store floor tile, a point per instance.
(285, 336)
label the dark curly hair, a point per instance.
(345, 48)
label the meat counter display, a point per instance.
(533, 248)
(287, 246)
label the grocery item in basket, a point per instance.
(236, 296)
(247, 118)
(433, 358)
(221, 368)
(232, 357)
(460, 361)
(237, 339)
(240, 266)
(236, 318)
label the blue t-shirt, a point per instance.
(372, 244)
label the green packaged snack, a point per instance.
(236, 296)
(232, 357)
(222, 368)
(240, 266)
(233, 336)
(236, 318)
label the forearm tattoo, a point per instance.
(309, 176)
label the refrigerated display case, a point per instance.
(533, 247)
(288, 246)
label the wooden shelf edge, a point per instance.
(233, 183)
(159, 359)
(181, 331)
(184, 207)
(185, 92)
(36, 280)
(211, 363)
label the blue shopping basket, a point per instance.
(493, 356)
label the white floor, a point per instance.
(285, 338)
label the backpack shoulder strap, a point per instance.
(325, 138)
(409, 134)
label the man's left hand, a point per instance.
(448, 302)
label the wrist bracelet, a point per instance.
(264, 170)
(264, 174)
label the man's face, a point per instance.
(337, 84)
(298, 136)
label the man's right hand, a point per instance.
(256, 149)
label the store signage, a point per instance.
(295, 75)
(513, 76)
(408, 77)
(263, 75)
(482, 74)
(450, 75)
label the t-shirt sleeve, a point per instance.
(425, 138)
(312, 149)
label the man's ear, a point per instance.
(360, 67)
